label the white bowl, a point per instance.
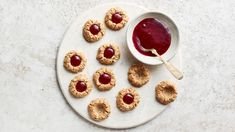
(166, 21)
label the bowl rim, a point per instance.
(130, 44)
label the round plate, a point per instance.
(148, 107)
(167, 22)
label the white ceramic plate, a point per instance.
(148, 107)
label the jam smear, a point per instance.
(109, 52)
(116, 18)
(150, 33)
(95, 29)
(104, 78)
(75, 60)
(81, 86)
(128, 98)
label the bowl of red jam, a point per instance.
(152, 30)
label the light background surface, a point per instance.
(31, 31)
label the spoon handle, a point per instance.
(171, 68)
(174, 71)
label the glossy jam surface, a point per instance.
(150, 33)
(128, 98)
(116, 18)
(94, 29)
(104, 78)
(81, 86)
(75, 60)
(109, 52)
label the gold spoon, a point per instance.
(171, 68)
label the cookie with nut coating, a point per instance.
(80, 86)
(127, 99)
(108, 54)
(166, 92)
(99, 109)
(116, 18)
(93, 30)
(74, 61)
(104, 79)
(138, 75)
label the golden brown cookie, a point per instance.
(166, 92)
(108, 54)
(80, 86)
(99, 109)
(138, 75)
(104, 79)
(127, 99)
(93, 30)
(116, 18)
(74, 61)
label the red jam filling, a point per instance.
(116, 18)
(150, 33)
(104, 78)
(109, 52)
(128, 98)
(75, 60)
(81, 86)
(94, 29)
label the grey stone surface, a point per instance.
(31, 31)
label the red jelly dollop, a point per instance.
(75, 60)
(116, 18)
(150, 33)
(95, 29)
(128, 98)
(109, 52)
(104, 78)
(81, 86)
